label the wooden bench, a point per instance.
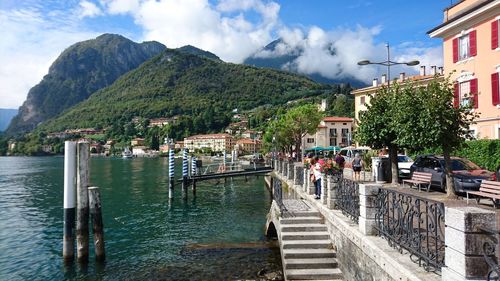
(487, 189)
(418, 179)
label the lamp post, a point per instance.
(389, 63)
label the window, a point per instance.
(362, 100)
(333, 141)
(494, 34)
(345, 136)
(310, 140)
(333, 132)
(464, 46)
(495, 85)
(345, 132)
(466, 93)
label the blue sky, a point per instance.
(35, 32)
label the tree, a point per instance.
(289, 129)
(428, 118)
(376, 127)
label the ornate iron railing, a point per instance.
(278, 194)
(299, 175)
(291, 170)
(489, 246)
(348, 198)
(414, 224)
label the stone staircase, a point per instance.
(306, 248)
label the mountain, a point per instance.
(79, 71)
(188, 49)
(279, 55)
(203, 91)
(5, 116)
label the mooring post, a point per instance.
(97, 225)
(193, 173)
(184, 173)
(171, 172)
(69, 201)
(82, 198)
(224, 163)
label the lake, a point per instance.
(219, 235)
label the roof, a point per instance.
(337, 119)
(461, 15)
(248, 141)
(419, 79)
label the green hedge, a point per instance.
(485, 153)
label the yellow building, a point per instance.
(249, 145)
(216, 142)
(332, 131)
(471, 54)
(362, 96)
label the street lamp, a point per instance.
(389, 63)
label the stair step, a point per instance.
(311, 263)
(314, 274)
(299, 214)
(303, 227)
(307, 244)
(300, 220)
(311, 235)
(308, 253)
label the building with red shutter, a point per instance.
(471, 53)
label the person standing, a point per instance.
(339, 159)
(316, 176)
(357, 164)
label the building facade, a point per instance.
(471, 52)
(332, 131)
(249, 145)
(216, 142)
(362, 96)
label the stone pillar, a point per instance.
(306, 180)
(464, 243)
(324, 189)
(296, 170)
(331, 186)
(367, 208)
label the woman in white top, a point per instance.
(316, 177)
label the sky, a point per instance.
(34, 32)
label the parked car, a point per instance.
(466, 174)
(404, 165)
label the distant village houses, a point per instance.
(215, 142)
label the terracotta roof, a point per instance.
(337, 119)
(248, 141)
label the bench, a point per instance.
(418, 179)
(487, 189)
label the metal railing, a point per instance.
(490, 243)
(299, 175)
(291, 170)
(348, 198)
(278, 194)
(414, 224)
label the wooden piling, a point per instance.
(193, 174)
(69, 203)
(97, 225)
(82, 183)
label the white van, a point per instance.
(350, 151)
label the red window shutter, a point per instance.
(472, 43)
(473, 92)
(456, 95)
(495, 97)
(455, 50)
(494, 35)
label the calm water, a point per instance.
(146, 237)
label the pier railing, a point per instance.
(414, 224)
(278, 194)
(348, 198)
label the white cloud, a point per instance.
(30, 43)
(223, 29)
(334, 54)
(88, 9)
